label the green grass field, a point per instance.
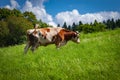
(97, 57)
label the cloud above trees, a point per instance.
(74, 16)
(13, 5)
(37, 7)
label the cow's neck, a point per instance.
(69, 36)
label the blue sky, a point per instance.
(83, 6)
(60, 11)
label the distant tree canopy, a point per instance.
(109, 24)
(17, 29)
(30, 17)
(14, 23)
(64, 25)
(42, 24)
(4, 13)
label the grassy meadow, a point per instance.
(97, 57)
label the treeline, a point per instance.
(13, 26)
(109, 24)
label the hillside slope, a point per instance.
(97, 57)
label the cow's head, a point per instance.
(75, 38)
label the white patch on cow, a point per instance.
(53, 32)
(58, 29)
(42, 40)
(48, 35)
(30, 31)
(36, 35)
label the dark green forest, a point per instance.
(13, 26)
(14, 23)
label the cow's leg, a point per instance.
(62, 43)
(27, 47)
(58, 45)
(34, 46)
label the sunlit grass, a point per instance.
(97, 57)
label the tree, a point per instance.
(79, 26)
(4, 13)
(65, 25)
(118, 23)
(30, 16)
(58, 25)
(108, 23)
(42, 24)
(17, 29)
(80, 23)
(97, 26)
(113, 26)
(86, 28)
(13, 26)
(16, 12)
(95, 23)
(3, 28)
(4, 31)
(69, 27)
(74, 26)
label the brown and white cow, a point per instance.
(45, 36)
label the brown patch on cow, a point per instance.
(43, 32)
(66, 34)
(48, 30)
(34, 32)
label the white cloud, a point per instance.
(69, 17)
(100, 16)
(8, 7)
(13, 5)
(74, 16)
(27, 6)
(38, 3)
(36, 6)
